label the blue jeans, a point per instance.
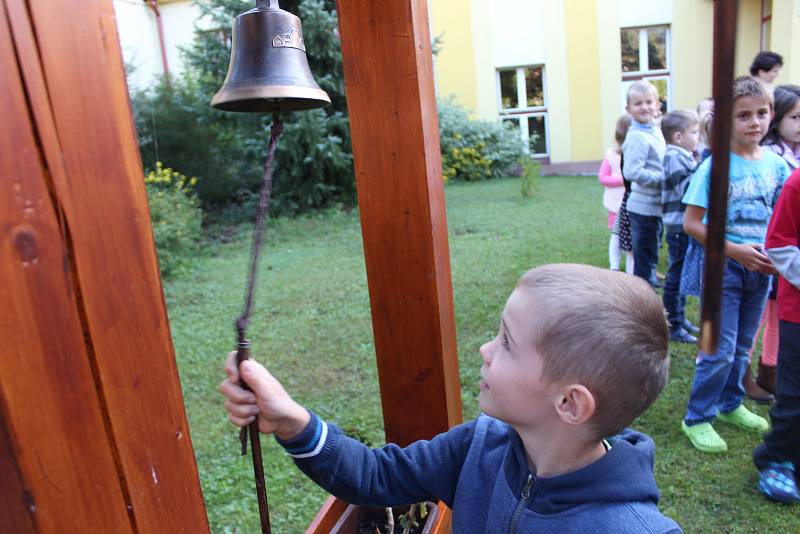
(782, 444)
(645, 235)
(717, 384)
(674, 301)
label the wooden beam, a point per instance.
(393, 120)
(75, 83)
(57, 464)
(725, 16)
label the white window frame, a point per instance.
(644, 72)
(644, 60)
(766, 24)
(521, 113)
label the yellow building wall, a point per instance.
(559, 87)
(692, 42)
(786, 39)
(583, 69)
(485, 77)
(582, 59)
(748, 35)
(608, 52)
(455, 64)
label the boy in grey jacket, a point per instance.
(681, 130)
(642, 154)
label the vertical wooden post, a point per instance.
(91, 411)
(725, 16)
(393, 120)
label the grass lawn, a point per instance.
(312, 328)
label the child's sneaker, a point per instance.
(704, 437)
(689, 327)
(744, 418)
(777, 483)
(682, 336)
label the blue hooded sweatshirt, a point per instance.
(479, 469)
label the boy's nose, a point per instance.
(486, 353)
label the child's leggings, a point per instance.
(769, 344)
(615, 253)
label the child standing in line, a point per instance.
(681, 131)
(643, 153)
(783, 138)
(610, 175)
(778, 457)
(538, 458)
(756, 177)
(705, 108)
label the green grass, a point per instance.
(312, 328)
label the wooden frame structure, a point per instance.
(93, 433)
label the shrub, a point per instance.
(475, 150)
(313, 164)
(175, 216)
(529, 179)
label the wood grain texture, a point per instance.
(725, 17)
(15, 512)
(54, 437)
(80, 106)
(394, 126)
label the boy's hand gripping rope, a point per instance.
(243, 346)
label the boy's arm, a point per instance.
(636, 152)
(674, 173)
(783, 236)
(386, 476)
(345, 467)
(748, 255)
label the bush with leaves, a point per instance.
(476, 150)
(313, 164)
(175, 215)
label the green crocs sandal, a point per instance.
(704, 437)
(745, 419)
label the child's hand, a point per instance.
(753, 258)
(276, 411)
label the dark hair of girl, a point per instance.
(786, 98)
(765, 60)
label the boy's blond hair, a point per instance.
(749, 86)
(641, 87)
(603, 329)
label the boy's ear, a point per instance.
(576, 405)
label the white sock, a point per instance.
(629, 262)
(613, 252)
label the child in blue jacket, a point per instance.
(581, 352)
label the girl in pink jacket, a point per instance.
(610, 175)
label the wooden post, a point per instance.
(93, 434)
(393, 120)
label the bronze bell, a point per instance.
(269, 69)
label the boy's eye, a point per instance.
(506, 344)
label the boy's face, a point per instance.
(751, 118)
(688, 139)
(641, 107)
(511, 386)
